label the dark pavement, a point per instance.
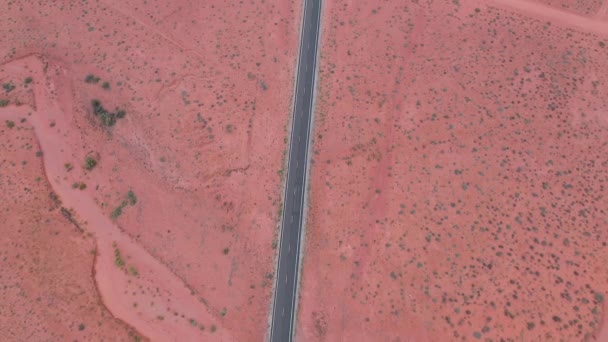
(283, 315)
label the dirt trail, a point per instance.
(561, 17)
(153, 301)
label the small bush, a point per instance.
(133, 271)
(28, 80)
(90, 163)
(118, 260)
(132, 198)
(10, 124)
(3, 103)
(106, 85)
(8, 87)
(107, 118)
(91, 78)
(116, 212)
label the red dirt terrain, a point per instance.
(459, 179)
(48, 289)
(160, 128)
(581, 7)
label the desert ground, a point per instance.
(143, 145)
(458, 189)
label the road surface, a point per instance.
(284, 304)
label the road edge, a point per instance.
(307, 179)
(285, 176)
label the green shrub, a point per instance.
(107, 118)
(116, 212)
(91, 78)
(8, 87)
(132, 198)
(90, 163)
(118, 260)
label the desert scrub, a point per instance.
(8, 87)
(27, 80)
(10, 124)
(106, 85)
(116, 212)
(91, 78)
(133, 271)
(106, 117)
(118, 260)
(131, 197)
(4, 103)
(90, 163)
(80, 186)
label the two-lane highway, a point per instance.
(285, 293)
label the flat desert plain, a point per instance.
(142, 147)
(458, 190)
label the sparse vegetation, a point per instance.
(131, 197)
(116, 212)
(89, 163)
(133, 271)
(82, 186)
(90, 78)
(107, 118)
(118, 260)
(10, 124)
(8, 87)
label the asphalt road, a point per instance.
(285, 295)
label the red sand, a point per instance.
(46, 265)
(581, 7)
(459, 179)
(207, 90)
